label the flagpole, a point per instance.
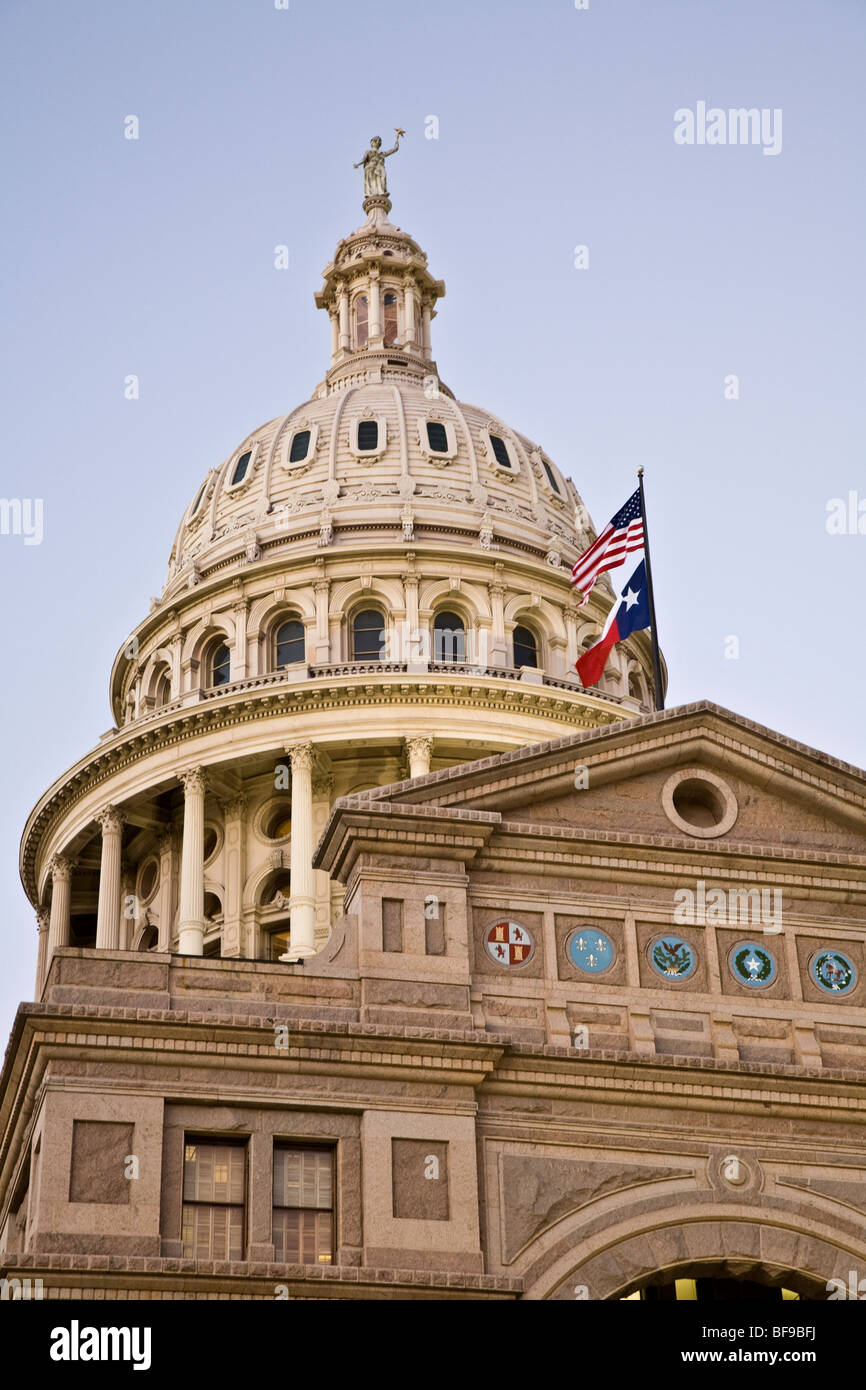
(657, 664)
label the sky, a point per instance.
(710, 331)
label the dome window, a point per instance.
(290, 643)
(500, 451)
(220, 670)
(197, 503)
(550, 476)
(449, 637)
(162, 694)
(391, 326)
(525, 647)
(368, 435)
(437, 437)
(241, 467)
(361, 321)
(300, 446)
(368, 635)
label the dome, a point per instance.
(382, 446)
(374, 585)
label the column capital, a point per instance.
(167, 840)
(193, 779)
(234, 807)
(43, 917)
(323, 785)
(60, 867)
(301, 755)
(110, 820)
(419, 745)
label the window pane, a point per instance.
(303, 1178)
(361, 321)
(290, 643)
(212, 1233)
(221, 666)
(525, 650)
(437, 437)
(300, 445)
(368, 634)
(500, 451)
(390, 319)
(368, 434)
(550, 478)
(241, 467)
(214, 1172)
(449, 638)
(303, 1237)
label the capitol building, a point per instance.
(367, 963)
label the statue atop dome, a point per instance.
(373, 161)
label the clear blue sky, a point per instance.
(556, 125)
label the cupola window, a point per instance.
(390, 320)
(368, 635)
(437, 437)
(290, 642)
(361, 321)
(525, 647)
(500, 452)
(300, 446)
(163, 688)
(241, 467)
(550, 476)
(220, 665)
(449, 637)
(368, 435)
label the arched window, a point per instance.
(162, 690)
(437, 437)
(289, 641)
(368, 635)
(220, 665)
(634, 686)
(525, 647)
(361, 321)
(500, 452)
(241, 467)
(449, 637)
(390, 320)
(300, 446)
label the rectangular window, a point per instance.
(434, 928)
(392, 924)
(214, 1195)
(303, 1205)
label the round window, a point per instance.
(148, 881)
(211, 840)
(699, 803)
(277, 824)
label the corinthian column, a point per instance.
(108, 912)
(191, 926)
(418, 750)
(58, 926)
(302, 901)
(42, 919)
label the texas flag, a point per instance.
(629, 614)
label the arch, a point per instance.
(470, 599)
(390, 321)
(348, 594)
(542, 614)
(647, 1243)
(217, 663)
(197, 638)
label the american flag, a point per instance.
(622, 534)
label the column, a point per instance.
(191, 926)
(167, 848)
(322, 588)
(425, 329)
(108, 914)
(335, 334)
(571, 649)
(375, 306)
(499, 655)
(240, 611)
(409, 312)
(343, 295)
(234, 812)
(302, 901)
(42, 920)
(58, 925)
(418, 749)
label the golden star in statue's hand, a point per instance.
(398, 131)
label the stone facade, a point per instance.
(532, 1128)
